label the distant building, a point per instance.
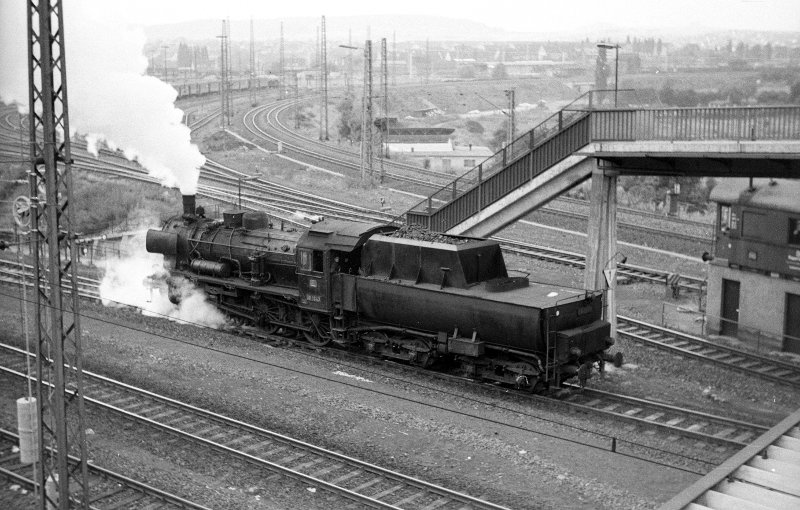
(443, 156)
(754, 278)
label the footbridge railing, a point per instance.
(587, 119)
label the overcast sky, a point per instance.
(515, 15)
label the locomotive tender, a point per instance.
(378, 288)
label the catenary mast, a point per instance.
(59, 356)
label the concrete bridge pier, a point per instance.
(601, 254)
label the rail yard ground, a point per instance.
(500, 448)
(319, 399)
(471, 440)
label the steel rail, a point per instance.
(699, 348)
(263, 447)
(112, 490)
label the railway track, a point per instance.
(284, 204)
(708, 352)
(677, 420)
(650, 334)
(673, 419)
(345, 476)
(675, 227)
(109, 490)
(630, 271)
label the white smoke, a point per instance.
(127, 282)
(110, 98)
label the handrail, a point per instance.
(620, 123)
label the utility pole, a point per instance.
(58, 356)
(164, 47)
(349, 80)
(366, 116)
(427, 61)
(253, 100)
(224, 84)
(323, 107)
(385, 87)
(296, 102)
(394, 58)
(281, 68)
(512, 125)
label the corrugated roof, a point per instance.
(778, 194)
(764, 475)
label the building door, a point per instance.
(730, 308)
(791, 342)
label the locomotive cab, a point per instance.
(328, 258)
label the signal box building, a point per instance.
(754, 277)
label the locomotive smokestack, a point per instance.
(188, 204)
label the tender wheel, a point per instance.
(618, 360)
(320, 327)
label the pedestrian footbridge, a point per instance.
(590, 135)
(590, 138)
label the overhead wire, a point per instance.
(410, 400)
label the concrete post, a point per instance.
(602, 240)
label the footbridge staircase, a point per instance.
(591, 134)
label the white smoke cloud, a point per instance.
(126, 283)
(110, 99)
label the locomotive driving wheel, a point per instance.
(319, 329)
(268, 313)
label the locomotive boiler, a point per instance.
(395, 292)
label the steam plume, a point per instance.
(110, 99)
(124, 283)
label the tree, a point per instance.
(474, 127)
(794, 92)
(466, 72)
(499, 72)
(499, 138)
(349, 126)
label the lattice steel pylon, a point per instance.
(252, 84)
(225, 82)
(282, 68)
(366, 115)
(384, 107)
(59, 357)
(323, 85)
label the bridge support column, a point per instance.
(602, 241)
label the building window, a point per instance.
(794, 231)
(756, 226)
(724, 217)
(445, 164)
(469, 163)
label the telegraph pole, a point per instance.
(164, 47)
(512, 125)
(366, 117)
(323, 107)
(349, 83)
(281, 68)
(385, 87)
(427, 60)
(225, 84)
(58, 356)
(394, 58)
(296, 102)
(253, 100)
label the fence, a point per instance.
(696, 322)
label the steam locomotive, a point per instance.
(396, 292)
